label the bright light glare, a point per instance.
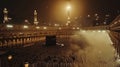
(9, 26)
(68, 7)
(25, 26)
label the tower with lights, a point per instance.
(35, 18)
(5, 11)
(68, 15)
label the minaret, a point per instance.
(68, 15)
(5, 11)
(68, 18)
(35, 18)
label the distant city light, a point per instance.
(25, 26)
(9, 26)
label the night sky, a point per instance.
(54, 10)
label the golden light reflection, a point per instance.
(59, 9)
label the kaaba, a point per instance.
(50, 40)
